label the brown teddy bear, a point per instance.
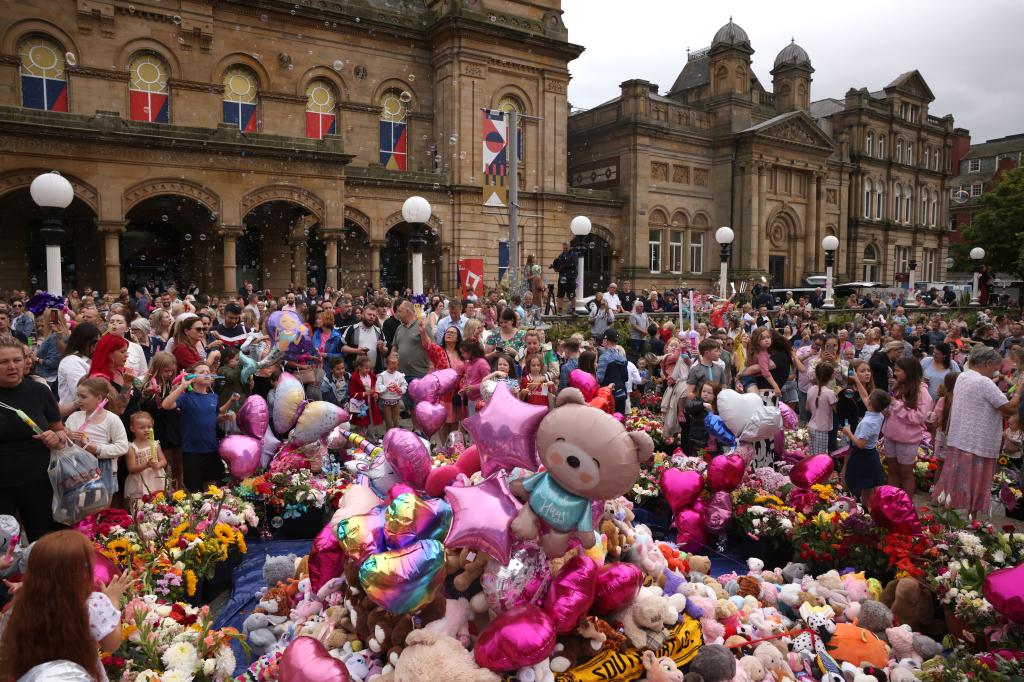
(913, 605)
(468, 564)
(645, 621)
(587, 455)
(592, 636)
(389, 631)
(616, 526)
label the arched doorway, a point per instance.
(171, 239)
(355, 260)
(265, 250)
(81, 248)
(597, 262)
(396, 258)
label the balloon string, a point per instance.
(813, 634)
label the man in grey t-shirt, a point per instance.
(412, 357)
(638, 324)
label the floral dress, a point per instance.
(513, 346)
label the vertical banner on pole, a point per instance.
(471, 276)
(495, 158)
(502, 259)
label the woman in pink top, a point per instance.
(906, 422)
(475, 367)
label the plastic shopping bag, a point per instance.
(78, 487)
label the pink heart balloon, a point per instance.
(691, 535)
(892, 508)
(571, 593)
(789, 418)
(522, 636)
(326, 558)
(306, 660)
(253, 416)
(681, 488)
(718, 512)
(317, 420)
(617, 587)
(725, 472)
(1004, 589)
(810, 471)
(242, 454)
(425, 389)
(430, 417)
(446, 380)
(586, 382)
(408, 456)
(103, 571)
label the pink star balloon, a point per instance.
(481, 515)
(505, 432)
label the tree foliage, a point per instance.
(999, 226)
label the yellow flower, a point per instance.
(119, 548)
(190, 582)
(178, 495)
(215, 491)
(242, 547)
(224, 533)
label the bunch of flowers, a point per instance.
(924, 471)
(797, 439)
(652, 425)
(648, 484)
(171, 642)
(172, 541)
(830, 530)
(286, 493)
(1002, 665)
(761, 514)
(972, 551)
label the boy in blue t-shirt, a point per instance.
(199, 417)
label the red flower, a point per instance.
(110, 660)
(179, 616)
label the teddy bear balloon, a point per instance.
(588, 455)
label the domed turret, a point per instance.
(792, 55)
(730, 34)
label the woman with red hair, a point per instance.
(56, 615)
(108, 362)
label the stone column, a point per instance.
(112, 230)
(297, 244)
(813, 252)
(375, 248)
(229, 236)
(760, 232)
(330, 239)
(819, 228)
(752, 232)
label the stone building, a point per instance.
(274, 141)
(784, 171)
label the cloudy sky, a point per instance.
(971, 54)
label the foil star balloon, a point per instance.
(481, 515)
(505, 432)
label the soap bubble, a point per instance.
(202, 237)
(71, 59)
(188, 237)
(264, 18)
(164, 217)
(338, 65)
(405, 96)
(277, 521)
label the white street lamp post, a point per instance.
(977, 254)
(829, 244)
(580, 227)
(416, 212)
(724, 236)
(911, 301)
(53, 193)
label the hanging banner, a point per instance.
(495, 158)
(471, 276)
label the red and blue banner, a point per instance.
(393, 145)
(49, 94)
(471, 276)
(241, 114)
(152, 107)
(318, 125)
(495, 158)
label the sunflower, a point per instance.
(118, 549)
(242, 547)
(224, 533)
(190, 582)
(178, 495)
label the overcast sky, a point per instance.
(970, 53)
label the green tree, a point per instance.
(998, 227)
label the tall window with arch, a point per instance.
(927, 157)
(902, 259)
(697, 252)
(897, 214)
(929, 259)
(321, 109)
(899, 150)
(871, 265)
(241, 97)
(881, 146)
(879, 200)
(509, 103)
(44, 83)
(869, 144)
(867, 197)
(654, 250)
(910, 153)
(908, 205)
(148, 95)
(394, 145)
(922, 217)
(933, 217)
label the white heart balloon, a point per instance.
(736, 409)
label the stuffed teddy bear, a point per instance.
(429, 657)
(591, 637)
(644, 622)
(262, 631)
(467, 565)
(713, 663)
(727, 614)
(616, 526)
(390, 631)
(455, 624)
(754, 670)
(912, 605)
(858, 646)
(901, 639)
(711, 629)
(278, 569)
(700, 567)
(587, 455)
(773, 661)
(662, 669)
(794, 572)
(926, 647)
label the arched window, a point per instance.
(899, 150)
(867, 198)
(241, 97)
(922, 217)
(910, 153)
(869, 144)
(44, 84)
(934, 209)
(321, 109)
(871, 273)
(881, 146)
(927, 157)
(898, 193)
(879, 200)
(509, 103)
(908, 206)
(148, 94)
(394, 105)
